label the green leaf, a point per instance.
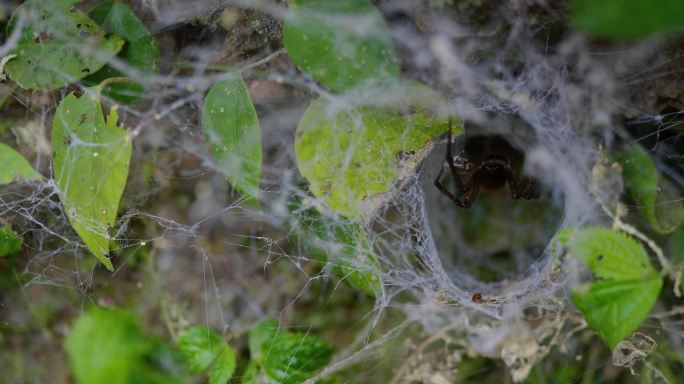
(294, 357)
(341, 44)
(199, 345)
(108, 346)
(628, 18)
(223, 368)
(263, 332)
(349, 156)
(616, 308)
(14, 166)
(344, 244)
(58, 45)
(140, 51)
(251, 373)
(232, 130)
(286, 357)
(202, 347)
(90, 162)
(659, 201)
(10, 242)
(628, 286)
(611, 254)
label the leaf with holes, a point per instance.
(140, 51)
(628, 286)
(232, 130)
(342, 44)
(14, 166)
(350, 155)
(202, 348)
(90, 162)
(10, 241)
(58, 45)
(659, 201)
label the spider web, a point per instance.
(190, 251)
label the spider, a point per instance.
(497, 160)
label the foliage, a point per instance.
(324, 39)
(351, 146)
(349, 156)
(14, 166)
(58, 46)
(90, 162)
(108, 346)
(658, 201)
(628, 18)
(286, 357)
(628, 286)
(202, 347)
(139, 52)
(232, 130)
(343, 243)
(10, 241)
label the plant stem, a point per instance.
(112, 80)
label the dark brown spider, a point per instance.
(497, 160)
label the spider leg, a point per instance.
(531, 189)
(471, 190)
(450, 162)
(525, 189)
(465, 203)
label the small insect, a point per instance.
(477, 298)
(490, 163)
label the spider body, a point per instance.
(490, 163)
(492, 173)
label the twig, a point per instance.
(264, 60)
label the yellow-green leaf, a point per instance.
(14, 166)
(90, 162)
(350, 155)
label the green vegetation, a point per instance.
(368, 129)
